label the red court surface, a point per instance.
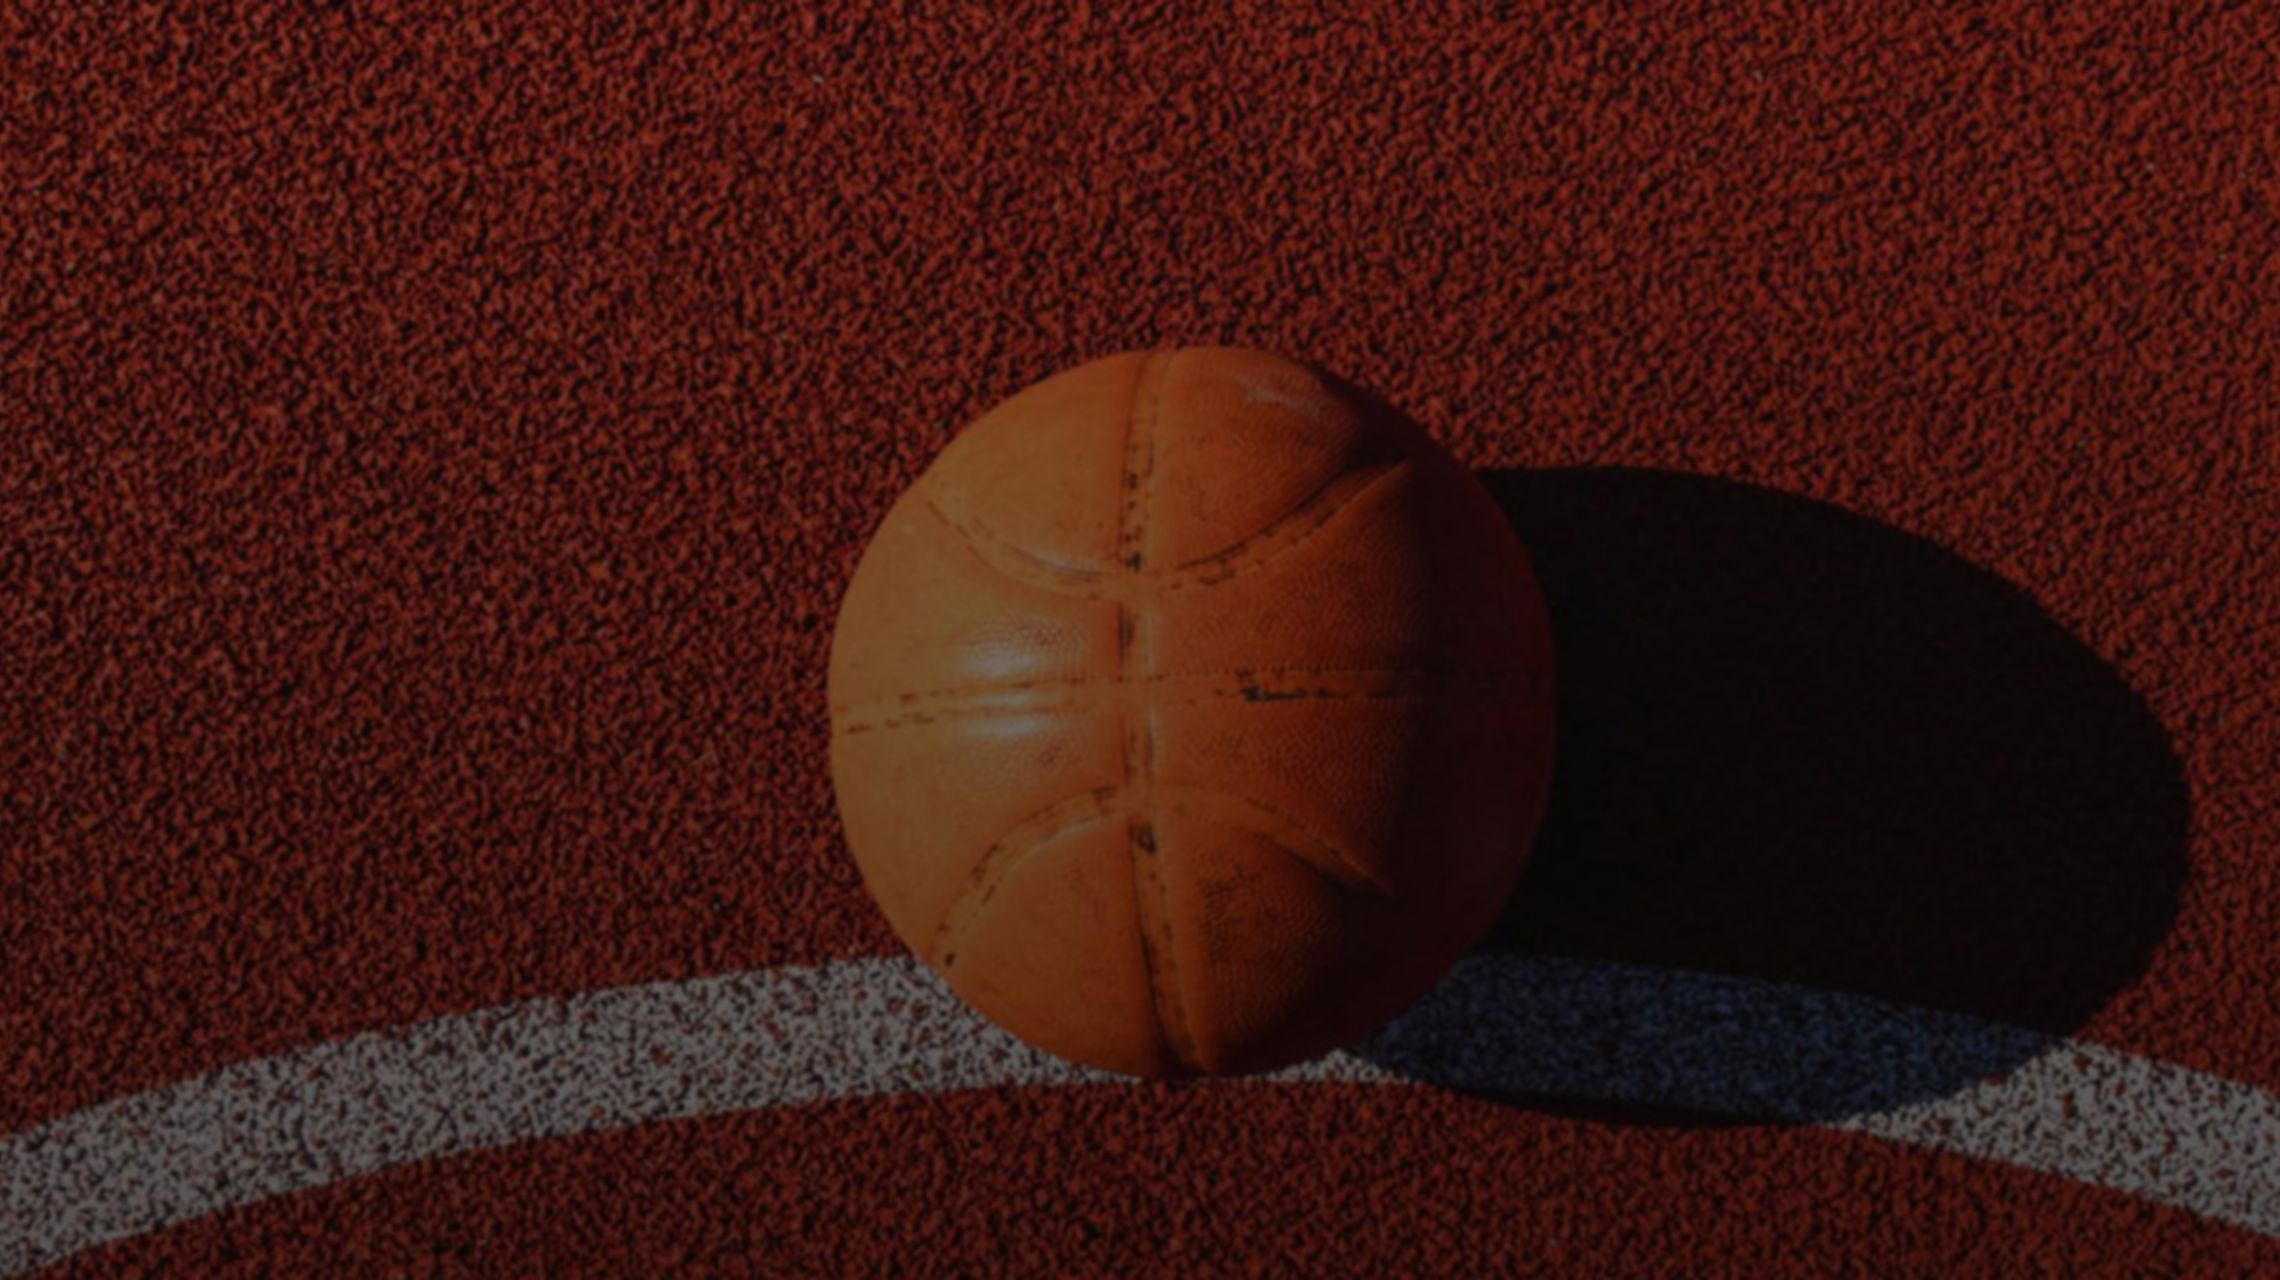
(432, 447)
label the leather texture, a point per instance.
(1192, 713)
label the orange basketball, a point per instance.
(1192, 713)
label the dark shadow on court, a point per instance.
(1802, 746)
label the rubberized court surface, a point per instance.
(432, 446)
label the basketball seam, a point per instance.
(970, 702)
(923, 719)
(1034, 571)
(1313, 514)
(1491, 682)
(1005, 855)
(1248, 813)
(1309, 517)
(1135, 630)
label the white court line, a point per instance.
(769, 1038)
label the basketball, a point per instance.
(1191, 714)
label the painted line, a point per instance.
(270, 1127)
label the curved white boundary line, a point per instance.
(768, 1038)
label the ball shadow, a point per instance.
(1839, 822)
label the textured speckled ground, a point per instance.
(431, 448)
